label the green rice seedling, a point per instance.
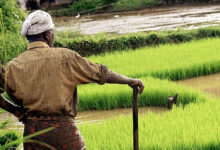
(7, 136)
(108, 96)
(4, 124)
(196, 127)
(11, 139)
(173, 62)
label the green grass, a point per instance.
(196, 127)
(14, 45)
(173, 62)
(120, 96)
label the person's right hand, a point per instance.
(139, 83)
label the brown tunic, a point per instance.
(44, 79)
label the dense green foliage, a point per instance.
(173, 62)
(120, 96)
(98, 44)
(12, 16)
(126, 5)
(14, 45)
(196, 127)
(7, 136)
(97, 6)
(11, 19)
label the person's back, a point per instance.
(40, 77)
(44, 76)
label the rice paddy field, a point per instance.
(193, 124)
(173, 62)
(156, 66)
(120, 96)
(196, 127)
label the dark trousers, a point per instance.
(65, 136)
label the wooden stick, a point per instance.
(135, 117)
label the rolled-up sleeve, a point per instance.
(83, 71)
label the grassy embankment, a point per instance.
(173, 62)
(100, 6)
(87, 45)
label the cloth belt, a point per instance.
(40, 116)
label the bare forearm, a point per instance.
(113, 77)
(118, 78)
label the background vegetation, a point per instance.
(11, 20)
(13, 16)
(11, 44)
(87, 45)
(98, 6)
(102, 43)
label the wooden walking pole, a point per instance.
(135, 117)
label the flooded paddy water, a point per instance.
(88, 117)
(208, 84)
(150, 19)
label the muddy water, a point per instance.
(151, 19)
(88, 117)
(209, 84)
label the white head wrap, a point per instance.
(37, 22)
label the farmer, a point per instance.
(43, 80)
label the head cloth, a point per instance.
(37, 22)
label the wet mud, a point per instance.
(87, 117)
(151, 19)
(208, 84)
